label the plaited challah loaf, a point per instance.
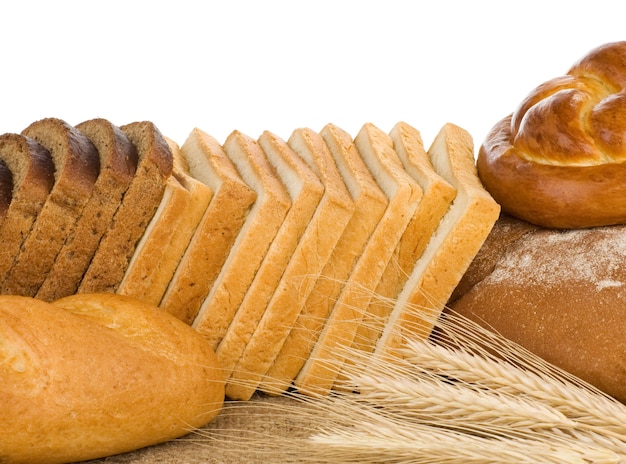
(560, 159)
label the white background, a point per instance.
(280, 65)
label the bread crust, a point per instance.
(558, 293)
(80, 378)
(560, 159)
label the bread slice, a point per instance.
(282, 270)
(376, 148)
(140, 202)
(435, 203)
(316, 245)
(6, 187)
(30, 176)
(118, 163)
(253, 241)
(216, 233)
(153, 247)
(77, 166)
(370, 203)
(165, 241)
(456, 241)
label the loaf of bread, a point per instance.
(94, 375)
(558, 293)
(558, 160)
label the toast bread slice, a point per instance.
(321, 369)
(450, 251)
(217, 230)
(254, 239)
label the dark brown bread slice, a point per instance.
(6, 186)
(31, 178)
(118, 162)
(139, 204)
(77, 166)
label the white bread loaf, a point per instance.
(95, 375)
(252, 243)
(452, 247)
(217, 231)
(281, 261)
(323, 366)
(77, 166)
(369, 203)
(307, 260)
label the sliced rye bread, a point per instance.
(282, 261)
(155, 261)
(77, 166)
(118, 163)
(31, 177)
(6, 188)
(450, 251)
(435, 203)
(317, 242)
(252, 243)
(370, 203)
(320, 371)
(217, 231)
(140, 202)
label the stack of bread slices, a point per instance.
(280, 252)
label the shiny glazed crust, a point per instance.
(560, 159)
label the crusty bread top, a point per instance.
(559, 159)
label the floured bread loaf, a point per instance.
(558, 293)
(167, 237)
(31, 178)
(452, 247)
(252, 243)
(217, 231)
(369, 203)
(77, 166)
(118, 162)
(318, 239)
(280, 264)
(323, 366)
(139, 204)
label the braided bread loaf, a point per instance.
(560, 159)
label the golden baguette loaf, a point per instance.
(558, 293)
(559, 160)
(95, 375)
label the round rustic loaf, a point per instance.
(560, 159)
(559, 293)
(94, 375)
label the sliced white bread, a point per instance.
(154, 246)
(147, 277)
(435, 203)
(282, 260)
(31, 177)
(252, 243)
(370, 203)
(217, 230)
(140, 202)
(323, 366)
(453, 246)
(308, 260)
(118, 163)
(77, 166)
